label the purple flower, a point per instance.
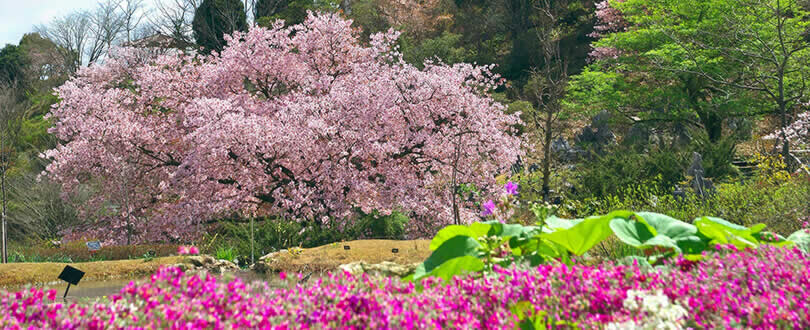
(511, 188)
(489, 207)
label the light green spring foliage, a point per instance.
(698, 62)
(780, 206)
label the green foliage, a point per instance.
(608, 175)
(453, 257)
(275, 234)
(376, 225)
(802, 239)
(531, 319)
(779, 206)
(655, 77)
(216, 18)
(447, 47)
(586, 233)
(226, 253)
(477, 247)
(717, 156)
(13, 62)
(291, 11)
(657, 230)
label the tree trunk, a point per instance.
(4, 234)
(456, 215)
(712, 124)
(547, 155)
(3, 187)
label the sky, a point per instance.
(18, 17)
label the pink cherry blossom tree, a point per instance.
(303, 122)
(608, 20)
(798, 133)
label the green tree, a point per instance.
(547, 87)
(765, 43)
(216, 18)
(701, 62)
(291, 11)
(649, 78)
(12, 65)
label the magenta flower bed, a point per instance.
(765, 288)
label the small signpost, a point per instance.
(346, 247)
(71, 276)
(394, 250)
(93, 246)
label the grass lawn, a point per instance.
(14, 274)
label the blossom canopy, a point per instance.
(302, 122)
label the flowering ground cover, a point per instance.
(756, 288)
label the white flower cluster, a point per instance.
(657, 311)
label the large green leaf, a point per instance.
(474, 230)
(458, 266)
(774, 239)
(584, 235)
(668, 226)
(649, 229)
(509, 230)
(454, 247)
(753, 229)
(719, 231)
(802, 239)
(631, 232)
(691, 245)
(554, 223)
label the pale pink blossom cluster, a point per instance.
(301, 122)
(798, 132)
(608, 20)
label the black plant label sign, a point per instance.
(71, 275)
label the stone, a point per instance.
(700, 185)
(270, 257)
(383, 269)
(564, 151)
(209, 263)
(354, 268)
(223, 266)
(201, 260)
(262, 267)
(598, 135)
(638, 137)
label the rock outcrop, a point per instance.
(385, 268)
(208, 263)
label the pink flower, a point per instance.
(282, 276)
(489, 208)
(511, 188)
(187, 250)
